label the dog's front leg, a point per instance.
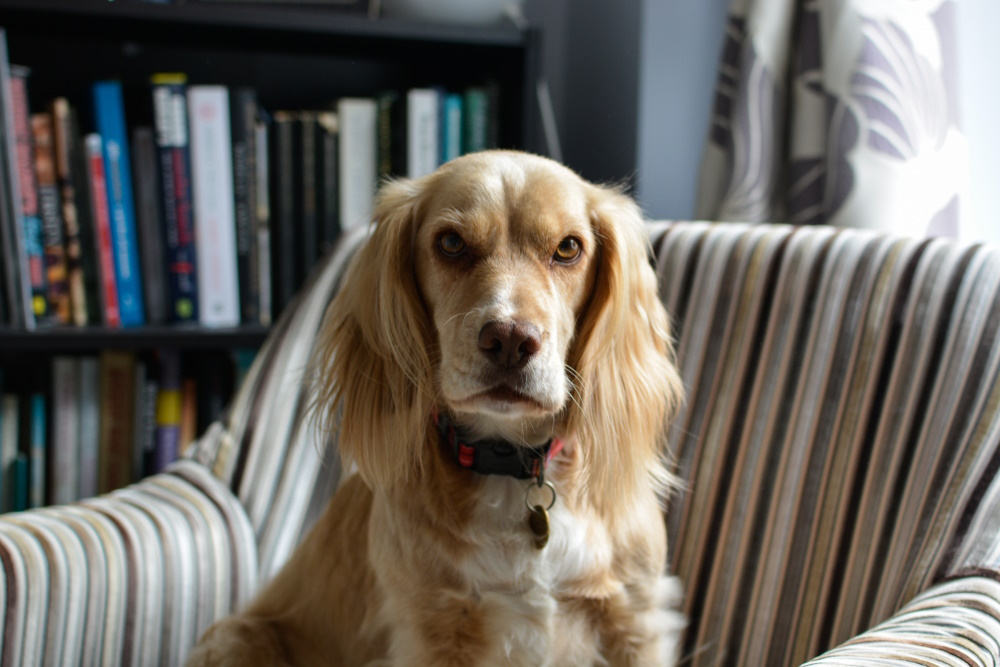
(239, 642)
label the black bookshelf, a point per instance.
(93, 339)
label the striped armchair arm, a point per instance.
(130, 578)
(953, 623)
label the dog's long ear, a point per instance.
(373, 360)
(628, 386)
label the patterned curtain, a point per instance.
(837, 111)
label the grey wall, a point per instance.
(681, 46)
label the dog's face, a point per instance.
(508, 291)
(505, 260)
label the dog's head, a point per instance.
(509, 292)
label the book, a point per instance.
(22, 482)
(168, 412)
(423, 116)
(90, 426)
(149, 224)
(117, 415)
(109, 114)
(358, 166)
(451, 127)
(66, 142)
(144, 443)
(173, 145)
(243, 124)
(33, 244)
(306, 223)
(36, 452)
(283, 210)
(101, 217)
(214, 217)
(329, 201)
(49, 207)
(476, 132)
(16, 269)
(391, 135)
(263, 221)
(189, 415)
(9, 446)
(65, 429)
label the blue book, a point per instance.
(36, 452)
(109, 114)
(451, 127)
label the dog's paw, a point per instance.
(235, 642)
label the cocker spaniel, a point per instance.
(504, 373)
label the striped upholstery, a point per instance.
(839, 441)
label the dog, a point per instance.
(504, 376)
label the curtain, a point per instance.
(842, 112)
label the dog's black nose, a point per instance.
(510, 345)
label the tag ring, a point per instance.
(527, 492)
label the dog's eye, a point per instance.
(451, 244)
(567, 250)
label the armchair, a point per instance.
(840, 444)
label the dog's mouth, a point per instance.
(507, 394)
(503, 398)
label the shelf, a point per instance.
(90, 339)
(290, 18)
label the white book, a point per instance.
(8, 449)
(90, 425)
(65, 430)
(358, 160)
(423, 128)
(214, 207)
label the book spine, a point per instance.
(138, 399)
(101, 217)
(36, 497)
(90, 426)
(476, 129)
(65, 150)
(117, 418)
(358, 168)
(243, 122)
(307, 227)
(214, 218)
(57, 291)
(328, 177)
(263, 222)
(168, 411)
(422, 132)
(283, 219)
(30, 216)
(149, 225)
(173, 146)
(65, 430)
(451, 133)
(9, 438)
(89, 259)
(17, 273)
(109, 114)
(22, 482)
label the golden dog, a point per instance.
(505, 374)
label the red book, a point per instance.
(102, 230)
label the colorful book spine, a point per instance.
(36, 452)
(90, 426)
(243, 124)
(451, 128)
(476, 121)
(66, 160)
(30, 215)
(173, 145)
(117, 420)
(49, 207)
(16, 268)
(109, 114)
(101, 216)
(214, 216)
(65, 430)
(168, 412)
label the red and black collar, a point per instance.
(497, 457)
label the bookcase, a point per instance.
(293, 56)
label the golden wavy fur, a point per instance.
(516, 297)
